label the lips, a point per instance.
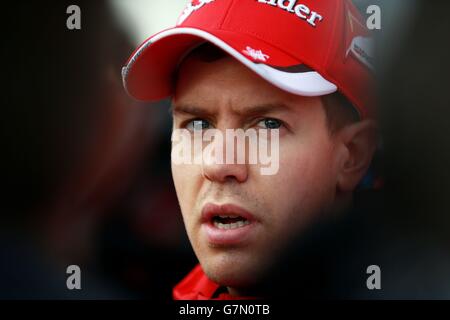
(227, 224)
(211, 211)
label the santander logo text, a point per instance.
(192, 6)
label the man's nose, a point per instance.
(225, 170)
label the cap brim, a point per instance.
(149, 71)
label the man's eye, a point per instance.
(269, 124)
(197, 124)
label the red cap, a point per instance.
(305, 47)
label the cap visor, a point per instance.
(149, 71)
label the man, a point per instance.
(302, 69)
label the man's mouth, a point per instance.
(229, 221)
(227, 224)
(226, 216)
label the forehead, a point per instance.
(225, 82)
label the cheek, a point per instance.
(305, 182)
(187, 184)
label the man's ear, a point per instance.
(359, 141)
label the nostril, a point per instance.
(226, 172)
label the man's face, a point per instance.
(226, 95)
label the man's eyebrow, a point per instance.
(264, 109)
(190, 109)
(245, 111)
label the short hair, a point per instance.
(339, 111)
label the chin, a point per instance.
(233, 272)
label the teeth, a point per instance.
(234, 225)
(228, 216)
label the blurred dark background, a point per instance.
(86, 170)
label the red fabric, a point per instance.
(197, 286)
